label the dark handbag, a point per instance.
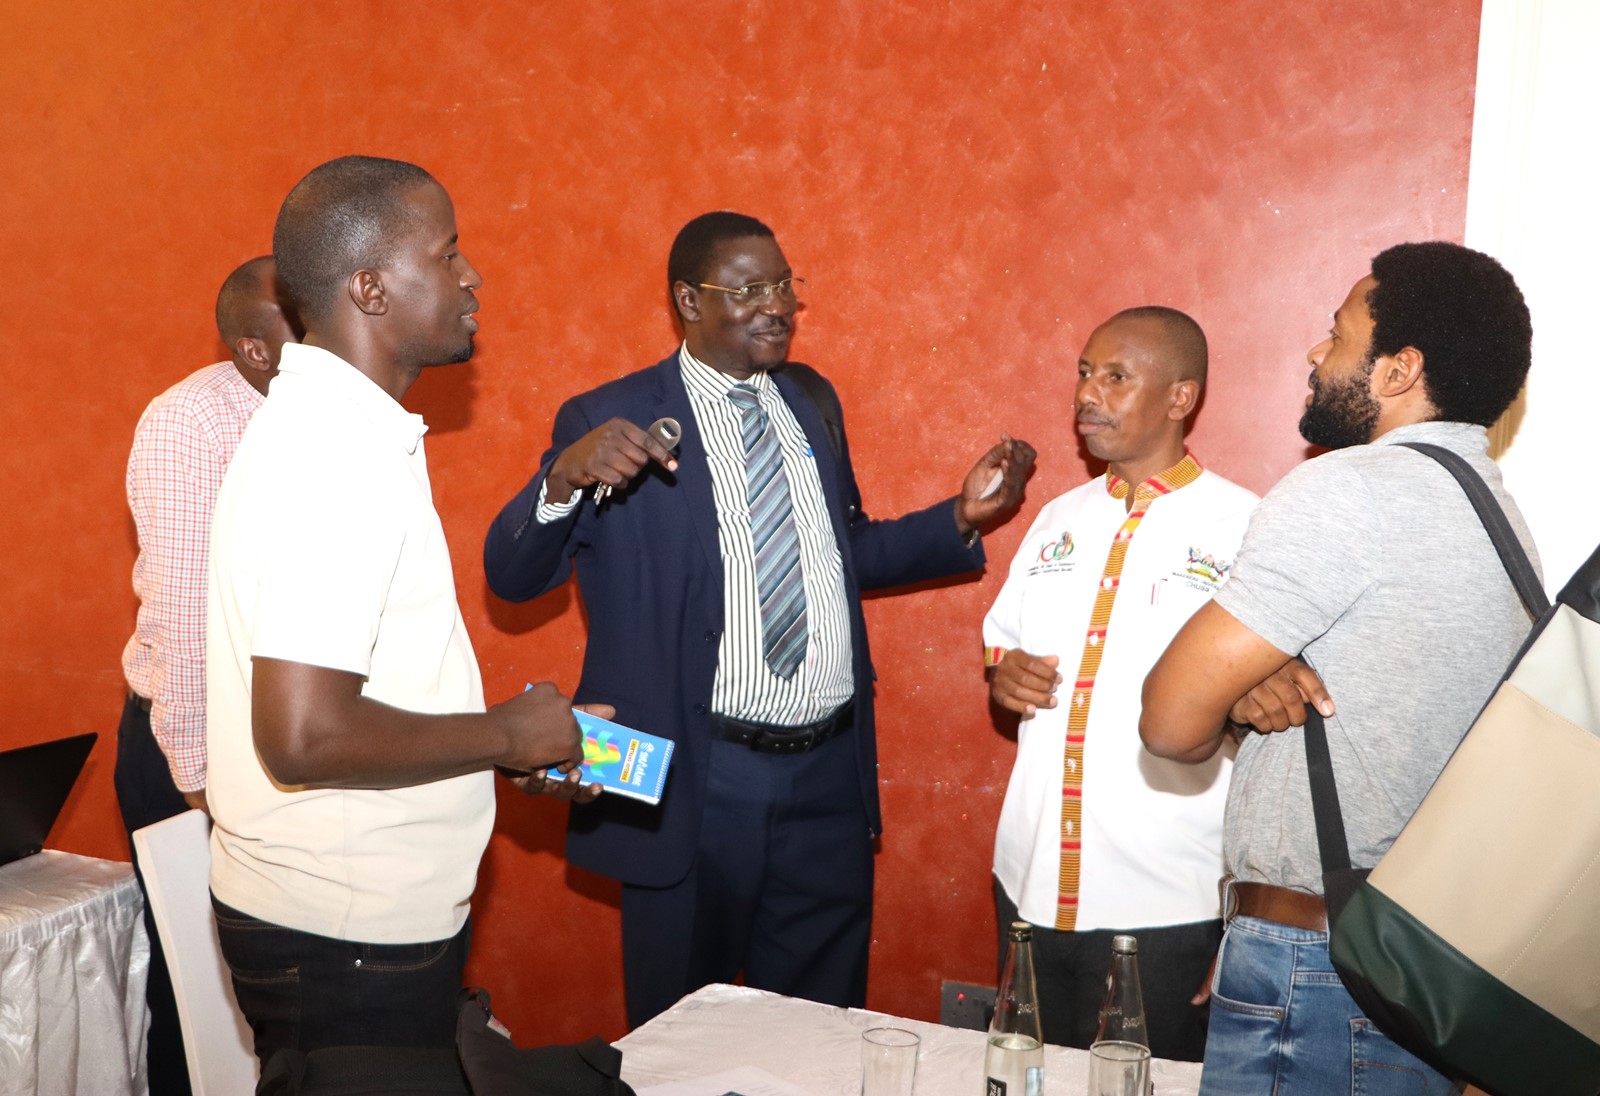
(1474, 945)
(495, 1066)
(364, 1071)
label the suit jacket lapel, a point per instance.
(810, 419)
(671, 398)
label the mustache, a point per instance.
(775, 327)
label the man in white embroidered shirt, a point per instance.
(1095, 836)
(350, 752)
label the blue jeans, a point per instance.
(305, 992)
(1282, 1024)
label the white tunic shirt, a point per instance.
(1151, 829)
(326, 550)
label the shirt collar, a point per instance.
(245, 392)
(706, 382)
(1182, 474)
(324, 370)
(1466, 438)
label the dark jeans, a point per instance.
(305, 992)
(1071, 971)
(146, 795)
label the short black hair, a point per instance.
(1463, 310)
(1187, 342)
(236, 300)
(342, 217)
(697, 242)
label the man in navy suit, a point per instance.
(723, 586)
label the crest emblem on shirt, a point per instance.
(1056, 550)
(1206, 569)
(1053, 554)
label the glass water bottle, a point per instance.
(1122, 1015)
(1014, 1062)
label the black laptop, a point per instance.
(34, 784)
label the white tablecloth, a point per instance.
(818, 1048)
(73, 962)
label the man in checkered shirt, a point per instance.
(182, 445)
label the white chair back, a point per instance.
(175, 857)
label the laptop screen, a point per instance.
(34, 784)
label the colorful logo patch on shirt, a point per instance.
(1056, 550)
(1205, 568)
(1053, 555)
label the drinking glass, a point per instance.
(1119, 1069)
(888, 1061)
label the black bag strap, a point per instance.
(1332, 844)
(1333, 847)
(1512, 555)
(826, 401)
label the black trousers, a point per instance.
(780, 889)
(303, 992)
(145, 795)
(1071, 970)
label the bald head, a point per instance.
(1173, 337)
(254, 320)
(345, 215)
(1139, 380)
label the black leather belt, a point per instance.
(771, 738)
(142, 701)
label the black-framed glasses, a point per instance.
(757, 292)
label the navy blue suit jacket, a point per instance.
(650, 571)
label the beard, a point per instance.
(1342, 413)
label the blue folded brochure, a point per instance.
(622, 760)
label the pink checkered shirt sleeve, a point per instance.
(181, 449)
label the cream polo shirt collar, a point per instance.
(325, 370)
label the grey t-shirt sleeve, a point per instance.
(1307, 555)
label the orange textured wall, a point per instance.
(968, 186)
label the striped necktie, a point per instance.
(780, 585)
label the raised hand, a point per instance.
(981, 499)
(612, 453)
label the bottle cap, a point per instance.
(1124, 945)
(1021, 932)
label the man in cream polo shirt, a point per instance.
(1096, 837)
(350, 752)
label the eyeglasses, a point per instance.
(757, 292)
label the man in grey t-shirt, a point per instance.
(1370, 563)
